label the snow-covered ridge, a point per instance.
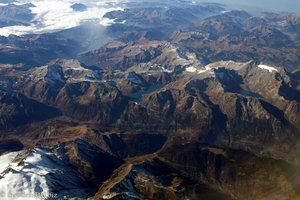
(6, 161)
(23, 178)
(270, 69)
(34, 174)
(216, 65)
(229, 65)
(62, 71)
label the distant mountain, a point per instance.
(234, 35)
(36, 49)
(79, 7)
(12, 15)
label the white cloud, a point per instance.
(51, 16)
(16, 30)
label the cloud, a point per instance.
(16, 30)
(51, 16)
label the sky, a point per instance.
(272, 5)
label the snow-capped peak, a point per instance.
(33, 175)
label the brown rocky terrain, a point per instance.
(208, 129)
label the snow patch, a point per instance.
(122, 22)
(205, 70)
(107, 22)
(225, 11)
(110, 195)
(160, 67)
(198, 71)
(77, 68)
(270, 69)
(191, 69)
(166, 70)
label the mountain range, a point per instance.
(168, 101)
